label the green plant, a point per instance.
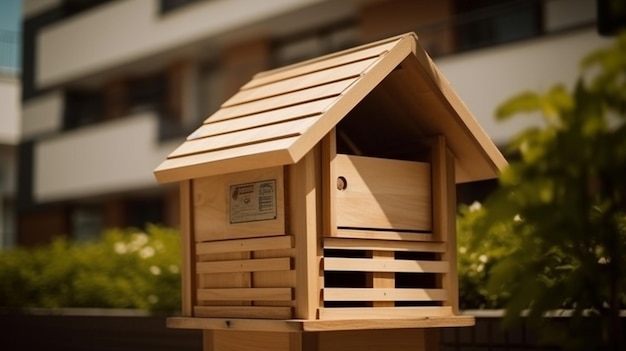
(123, 269)
(564, 204)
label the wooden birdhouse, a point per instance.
(321, 197)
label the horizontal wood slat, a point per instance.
(271, 153)
(267, 312)
(383, 235)
(256, 244)
(368, 294)
(369, 265)
(384, 312)
(258, 265)
(244, 137)
(383, 193)
(384, 245)
(246, 294)
(320, 63)
(305, 81)
(276, 102)
(284, 114)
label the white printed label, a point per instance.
(253, 201)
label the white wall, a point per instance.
(486, 78)
(112, 157)
(9, 110)
(43, 114)
(123, 31)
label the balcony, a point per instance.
(108, 157)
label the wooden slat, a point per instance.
(251, 294)
(368, 265)
(384, 245)
(305, 81)
(288, 99)
(265, 312)
(284, 114)
(329, 183)
(244, 137)
(351, 233)
(322, 63)
(367, 294)
(268, 154)
(255, 244)
(188, 274)
(274, 279)
(383, 312)
(444, 213)
(383, 280)
(383, 193)
(305, 207)
(259, 265)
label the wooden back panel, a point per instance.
(383, 194)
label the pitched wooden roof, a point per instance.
(277, 117)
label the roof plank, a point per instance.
(269, 154)
(313, 79)
(276, 102)
(245, 137)
(322, 63)
(284, 114)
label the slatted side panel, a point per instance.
(246, 278)
(276, 106)
(370, 278)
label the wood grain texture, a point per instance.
(324, 62)
(384, 245)
(297, 325)
(288, 99)
(261, 119)
(383, 312)
(382, 235)
(263, 312)
(237, 245)
(250, 294)
(444, 210)
(244, 137)
(305, 224)
(383, 194)
(372, 294)
(242, 158)
(188, 272)
(211, 205)
(300, 82)
(369, 265)
(250, 265)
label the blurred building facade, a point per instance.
(110, 87)
(9, 132)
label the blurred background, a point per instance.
(95, 93)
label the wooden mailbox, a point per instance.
(321, 198)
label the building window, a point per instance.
(86, 222)
(141, 211)
(170, 5)
(306, 45)
(82, 108)
(481, 23)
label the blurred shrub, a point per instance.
(476, 258)
(123, 269)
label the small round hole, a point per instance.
(342, 183)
